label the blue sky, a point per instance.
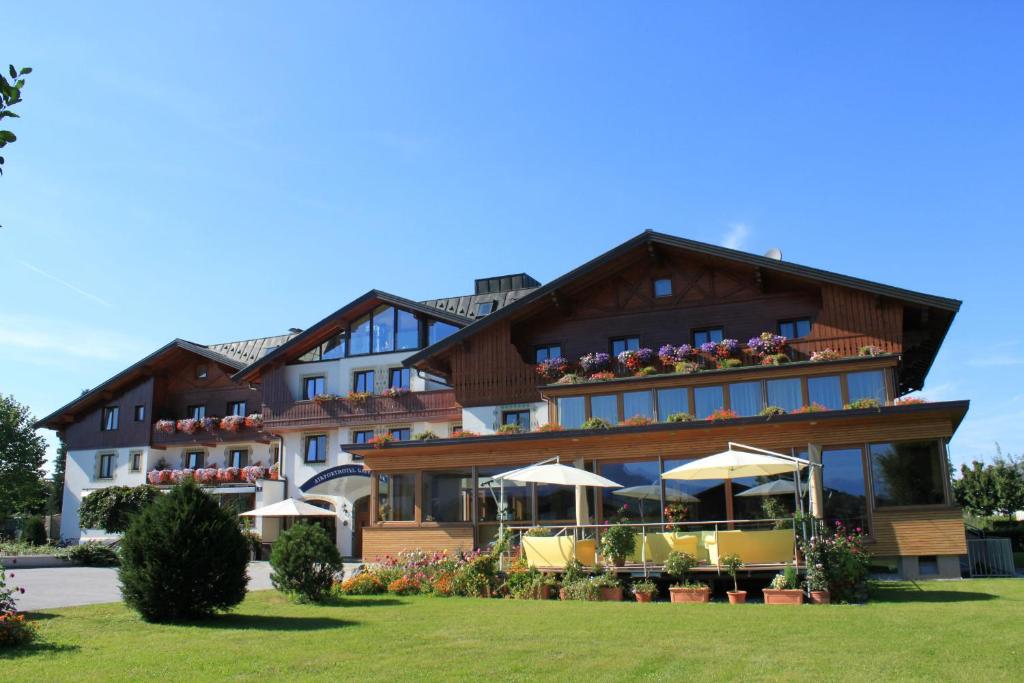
(219, 171)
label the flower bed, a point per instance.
(211, 475)
(231, 423)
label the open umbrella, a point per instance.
(653, 492)
(289, 507)
(779, 487)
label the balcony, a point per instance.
(207, 432)
(417, 406)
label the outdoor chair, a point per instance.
(554, 552)
(773, 546)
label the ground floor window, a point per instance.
(447, 496)
(843, 488)
(136, 462)
(641, 492)
(396, 497)
(106, 465)
(907, 473)
(518, 499)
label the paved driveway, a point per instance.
(67, 586)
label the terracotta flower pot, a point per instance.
(821, 597)
(644, 597)
(611, 594)
(544, 592)
(783, 597)
(737, 597)
(677, 594)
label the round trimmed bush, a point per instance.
(35, 531)
(183, 557)
(305, 561)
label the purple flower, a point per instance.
(595, 362)
(708, 347)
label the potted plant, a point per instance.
(274, 471)
(165, 426)
(732, 564)
(645, 590)
(678, 565)
(552, 369)
(254, 421)
(817, 586)
(595, 362)
(609, 586)
(596, 423)
(617, 542)
(544, 586)
(783, 590)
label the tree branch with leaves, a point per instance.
(10, 95)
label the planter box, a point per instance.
(644, 597)
(611, 594)
(737, 597)
(821, 598)
(689, 594)
(783, 597)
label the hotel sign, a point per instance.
(334, 473)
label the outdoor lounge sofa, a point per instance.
(773, 546)
(554, 552)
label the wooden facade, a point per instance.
(84, 433)
(380, 542)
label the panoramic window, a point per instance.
(571, 412)
(708, 334)
(384, 329)
(106, 469)
(605, 407)
(396, 497)
(641, 490)
(676, 400)
(362, 381)
(140, 413)
(825, 391)
(843, 486)
(312, 386)
(870, 384)
(516, 417)
(484, 308)
(193, 460)
(407, 330)
(238, 457)
(362, 436)
(398, 378)
(663, 287)
(197, 412)
(745, 398)
(236, 408)
(707, 400)
(637, 403)
(332, 348)
(907, 473)
(785, 393)
(796, 328)
(136, 461)
(624, 344)
(359, 337)
(399, 433)
(437, 330)
(518, 499)
(448, 496)
(316, 448)
(710, 503)
(547, 352)
(557, 503)
(109, 418)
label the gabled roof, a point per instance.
(466, 305)
(131, 375)
(251, 350)
(322, 330)
(649, 237)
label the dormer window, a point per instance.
(484, 308)
(796, 328)
(662, 287)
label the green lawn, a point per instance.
(932, 631)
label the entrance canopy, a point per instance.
(289, 508)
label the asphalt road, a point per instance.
(69, 586)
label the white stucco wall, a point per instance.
(80, 475)
(338, 373)
(487, 419)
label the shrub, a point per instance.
(870, 350)
(305, 560)
(681, 417)
(838, 562)
(580, 589)
(679, 564)
(862, 403)
(523, 581)
(644, 586)
(596, 423)
(7, 594)
(35, 531)
(732, 564)
(404, 585)
(510, 429)
(617, 542)
(183, 557)
(686, 367)
(424, 436)
(771, 411)
(363, 583)
(15, 630)
(113, 508)
(92, 554)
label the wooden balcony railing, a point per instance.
(416, 406)
(163, 439)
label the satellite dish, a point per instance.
(774, 253)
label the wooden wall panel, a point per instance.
(85, 432)
(179, 388)
(490, 370)
(919, 531)
(381, 541)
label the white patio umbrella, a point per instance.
(289, 507)
(779, 487)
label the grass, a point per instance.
(927, 631)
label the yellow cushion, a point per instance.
(660, 544)
(773, 546)
(554, 552)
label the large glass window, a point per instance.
(785, 393)
(556, 503)
(448, 496)
(707, 400)
(437, 330)
(518, 499)
(745, 398)
(825, 391)
(869, 384)
(396, 497)
(359, 337)
(703, 500)
(571, 412)
(670, 401)
(641, 490)
(605, 407)
(636, 403)
(843, 486)
(747, 506)
(384, 329)
(907, 473)
(238, 457)
(333, 348)
(407, 335)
